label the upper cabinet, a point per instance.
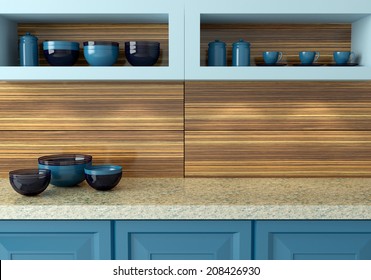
(161, 21)
(288, 26)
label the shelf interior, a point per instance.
(117, 32)
(288, 38)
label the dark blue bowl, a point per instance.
(67, 170)
(101, 53)
(29, 181)
(61, 53)
(142, 53)
(103, 177)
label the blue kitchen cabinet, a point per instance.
(312, 240)
(183, 240)
(55, 240)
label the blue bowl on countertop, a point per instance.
(61, 53)
(29, 181)
(103, 177)
(67, 170)
(101, 53)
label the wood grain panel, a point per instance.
(278, 106)
(117, 32)
(288, 38)
(277, 153)
(91, 106)
(141, 153)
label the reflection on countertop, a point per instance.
(197, 198)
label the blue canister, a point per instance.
(28, 50)
(241, 53)
(217, 54)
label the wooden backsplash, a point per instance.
(138, 125)
(279, 129)
(288, 38)
(118, 32)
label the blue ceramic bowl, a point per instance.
(61, 53)
(142, 53)
(67, 170)
(29, 181)
(103, 177)
(101, 53)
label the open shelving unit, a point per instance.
(287, 26)
(162, 21)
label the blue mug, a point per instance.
(308, 57)
(342, 58)
(272, 57)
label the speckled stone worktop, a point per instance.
(213, 198)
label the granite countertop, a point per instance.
(209, 198)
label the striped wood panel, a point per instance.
(117, 32)
(288, 38)
(278, 153)
(279, 129)
(278, 106)
(141, 153)
(135, 124)
(91, 106)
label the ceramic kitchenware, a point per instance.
(241, 53)
(103, 177)
(28, 50)
(142, 53)
(61, 53)
(67, 170)
(341, 58)
(29, 181)
(101, 53)
(308, 57)
(272, 57)
(217, 54)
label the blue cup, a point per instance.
(308, 57)
(272, 57)
(342, 58)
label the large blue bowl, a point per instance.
(101, 53)
(61, 53)
(67, 170)
(142, 53)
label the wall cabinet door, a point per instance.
(313, 240)
(183, 240)
(55, 240)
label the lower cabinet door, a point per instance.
(183, 240)
(55, 240)
(313, 240)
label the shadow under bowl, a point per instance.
(103, 177)
(67, 170)
(29, 182)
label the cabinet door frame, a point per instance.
(240, 232)
(43, 238)
(299, 239)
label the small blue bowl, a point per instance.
(101, 53)
(61, 53)
(103, 177)
(29, 181)
(67, 170)
(142, 53)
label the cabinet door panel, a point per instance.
(313, 240)
(55, 240)
(183, 240)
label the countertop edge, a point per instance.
(194, 212)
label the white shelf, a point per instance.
(88, 73)
(261, 73)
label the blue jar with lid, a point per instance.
(28, 50)
(241, 53)
(217, 54)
